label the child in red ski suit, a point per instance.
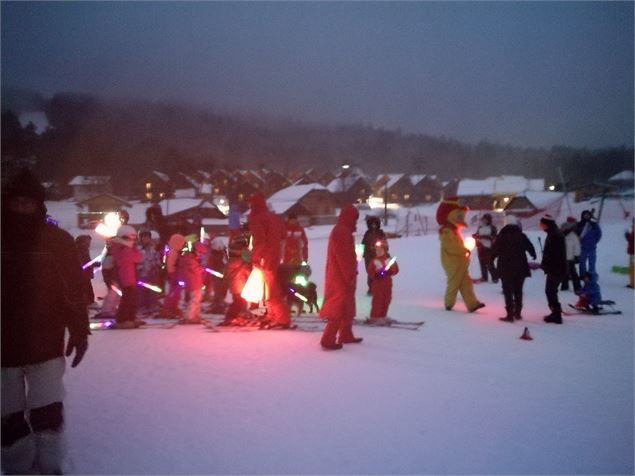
(192, 271)
(381, 280)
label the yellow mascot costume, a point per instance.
(455, 258)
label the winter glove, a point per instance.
(80, 345)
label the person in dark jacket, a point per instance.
(340, 282)
(42, 299)
(590, 234)
(554, 264)
(509, 259)
(373, 235)
(631, 259)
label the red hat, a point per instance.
(446, 206)
(571, 220)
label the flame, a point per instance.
(469, 242)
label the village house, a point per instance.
(95, 208)
(395, 188)
(86, 186)
(312, 203)
(156, 186)
(426, 188)
(494, 193)
(351, 186)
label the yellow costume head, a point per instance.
(451, 212)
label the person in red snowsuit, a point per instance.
(296, 244)
(340, 282)
(127, 256)
(268, 232)
(381, 280)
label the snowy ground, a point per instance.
(461, 395)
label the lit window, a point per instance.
(148, 185)
(406, 196)
(149, 195)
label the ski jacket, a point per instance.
(150, 265)
(572, 243)
(591, 291)
(175, 244)
(191, 271)
(296, 245)
(378, 265)
(126, 260)
(236, 274)
(42, 295)
(267, 231)
(590, 234)
(554, 255)
(341, 268)
(485, 235)
(509, 253)
(370, 238)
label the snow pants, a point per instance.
(572, 276)
(458, 280)
(513, 292)
(173, 298)
(127, 310)
(587, 256)
(551, 291)
(33, 418)
(337, 330)
(193, 311)
(277, 309)
(381, 289)
(484, 255)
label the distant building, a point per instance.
(312, 203)
(396, 188)
(494, 193)
(95, 208)
(86, 186)
(156, 186)
(350, 186)
(426, 188)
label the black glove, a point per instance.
(80, 345)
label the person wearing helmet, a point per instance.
(126, 256)
(42, 301)
(590, 235)
(373, 234)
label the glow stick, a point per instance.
(214, 273)
(181, 283)
(151, 287)
(202, 234)
(101, 325)
(298, 295)
(116, 289)
(359, 251)
(96, 259)
(390, 263)
(301, 280)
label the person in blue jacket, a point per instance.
(590, 234)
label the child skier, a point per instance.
(170, 307)
(148, 271)
(192, 271)
(373, 234)
(590, 295)
(236, 274)
(127, 255)
(217, 261)
(381, 269)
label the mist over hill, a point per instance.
(128, 138)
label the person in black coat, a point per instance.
(554, 264)
(42, 301)
(509, 259)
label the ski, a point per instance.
(589, 312)
(392, 323)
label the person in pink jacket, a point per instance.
(268, 232)
(340, 282)
(126, 256)
(381, 270)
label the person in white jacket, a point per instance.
(572, 242)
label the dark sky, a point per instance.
(523, 73)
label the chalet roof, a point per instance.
(416, 179)
(284, 199)
(511, 184)
(623, 175)
(541, 200)
(114, 198)
(90, 180)
(161, 175)
(335, 185)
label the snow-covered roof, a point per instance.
(511, 184)
(90, 180)
(335, 185)
(392, 179)
(161, 175)
(185, 193)
(415, 179)
(623, 175)
(542, 199)
(284, 199)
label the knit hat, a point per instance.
(571, 220)
(548, 220)
(126, 231)
(446, 206)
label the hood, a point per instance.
(348, 217)
(176, 242)
(257, 203)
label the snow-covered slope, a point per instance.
(461, 395)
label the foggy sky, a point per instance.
(521, 73)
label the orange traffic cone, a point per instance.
(526, 335)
